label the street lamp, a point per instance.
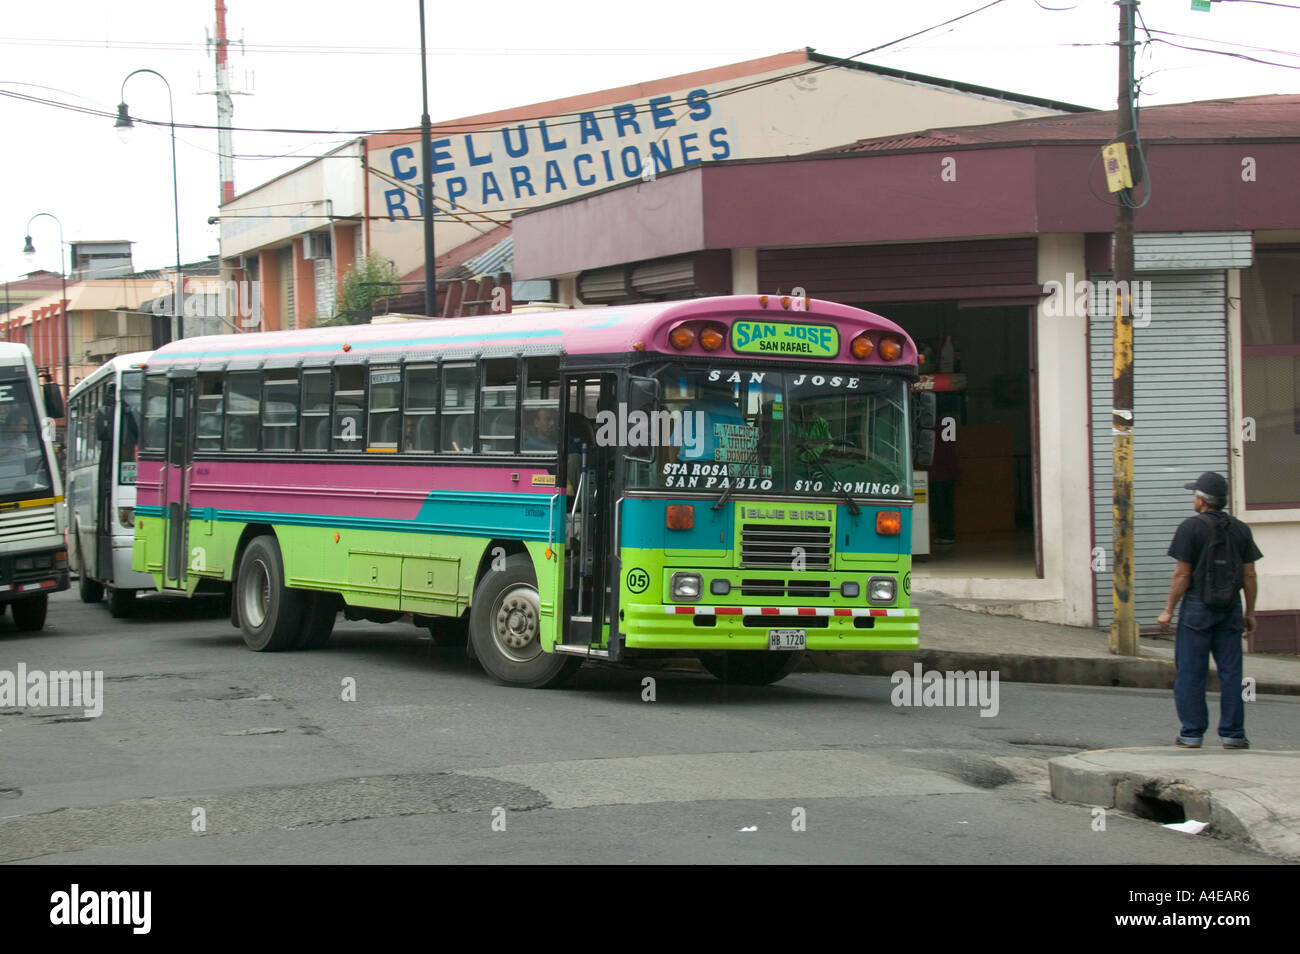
(29, 252)
(125, 127)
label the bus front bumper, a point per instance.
(680, 627)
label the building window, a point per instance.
(1270, 379)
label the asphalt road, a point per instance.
(208, 753)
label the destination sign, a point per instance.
(785, 338)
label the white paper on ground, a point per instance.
(1190, 826)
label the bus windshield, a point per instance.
(23, 468)
(816, 432)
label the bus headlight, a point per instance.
(882, 589)
(685, 586)
(126, 516)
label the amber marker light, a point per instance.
(711, 338)
(681, 338)
(347, 347)
(891, 349)
(889, 523)
(680, 517)
(861, 347)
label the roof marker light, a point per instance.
(681, 337)
(862, 347)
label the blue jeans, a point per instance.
(1202, 631)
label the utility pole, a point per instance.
(426, 186)
(1123, 628)
(225, 109)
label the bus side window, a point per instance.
(280, 410)
(385, 407)
(458, 401)
(542, 406)
(500, 401)
(421, 410)
(350, 409)
(210, 412)
(315, 413)
(155, 413)
(242, 410)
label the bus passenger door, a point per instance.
(176, 481)
(104, 480)
(587, 469)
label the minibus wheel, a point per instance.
(90, 591)
(505, 629)
(269, 612)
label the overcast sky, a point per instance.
(334, 65)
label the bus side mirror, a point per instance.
(643, 396)
(102, 430)
(924, 419)
(53, 399)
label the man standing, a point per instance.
(1209, 548)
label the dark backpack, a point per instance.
(1218, 575)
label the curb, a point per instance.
(1232, 813)
(1128, 672)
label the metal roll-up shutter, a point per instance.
(1180, 407)
(286, 289)
(324, 278)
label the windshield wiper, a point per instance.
(813, 457)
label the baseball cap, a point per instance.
(1209, 483)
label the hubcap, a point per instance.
(255, 593)
(514, 624)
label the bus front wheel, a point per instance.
(269, 612)
(758, 667)
(120, 602)
(29, 613)
(505, 628)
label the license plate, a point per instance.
(787, 638)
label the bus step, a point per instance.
(577, 649)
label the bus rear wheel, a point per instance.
(29, 613)
(760, 667)
(505, 629)
(269, 612)
(120, 602)
(320, 612)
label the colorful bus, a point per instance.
(33, 553)
(102, 438)
(728, 477)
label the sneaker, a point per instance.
(1236, 743)
(1187, 742)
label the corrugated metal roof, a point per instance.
(1252, 117)
(499, 258)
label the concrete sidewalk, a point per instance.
(1248, 796)
(1025, 651)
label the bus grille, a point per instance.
(774, 544)
(29, 523)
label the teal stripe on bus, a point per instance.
(183, 357)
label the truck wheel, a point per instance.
(505, 629)
(269, 612)
(757, 667)
(29, 613)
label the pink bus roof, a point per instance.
(596, 330)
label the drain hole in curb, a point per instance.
(1149, 805)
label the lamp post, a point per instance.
(29, 250)
(124, 126)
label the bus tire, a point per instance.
(742, 667)
(269, 612)
(449, 631)
(317, 620)
(29, 613)
(121, 602)
(505, 629)
(90, 591)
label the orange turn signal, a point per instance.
(862, 347)
(711, 338)
(681, 338)
(889, 523)
(680, 517)
(891, 349)
(762, 301)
